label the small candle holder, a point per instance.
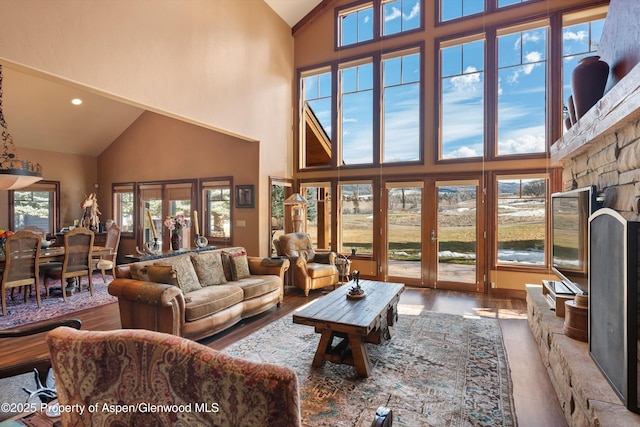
(153, 247)
(201, 241)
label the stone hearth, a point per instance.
(585, 396)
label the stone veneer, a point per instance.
(585, 396)
(612, 164)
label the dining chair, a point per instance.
(107, 262)
(22, 255)
(37, 230)
(78, 245)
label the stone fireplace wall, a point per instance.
(612, 164)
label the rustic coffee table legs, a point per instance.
(351, 350)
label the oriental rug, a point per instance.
(437, 370)
(20, 313)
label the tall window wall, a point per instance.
(411, 93)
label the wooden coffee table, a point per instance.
(355, 322)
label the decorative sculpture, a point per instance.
(356, 292)
(90, 218)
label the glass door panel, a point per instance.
(457, 232)
(404, 230)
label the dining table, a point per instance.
(56, 253)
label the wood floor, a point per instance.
(535, 399)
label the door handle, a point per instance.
(433, 236)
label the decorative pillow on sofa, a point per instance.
(208, 266)
(237, 264)
(164, 274)
(187, 277)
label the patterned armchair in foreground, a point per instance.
(165, 380)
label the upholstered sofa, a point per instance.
(309, 269)
(198, 294)
(142, 371)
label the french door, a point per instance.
(459, 236)
(434, 234)
(162, 200)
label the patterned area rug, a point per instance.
(20, 313)
(437, 370)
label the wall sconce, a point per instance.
(298, 205)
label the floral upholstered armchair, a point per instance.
(309, 269)
(137, 377)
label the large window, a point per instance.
(355, 25)
(522, 94)
(521, 222)
(356, 114)
(360, 23)
(36, 205)
(216, 215)
(356, 217)
(123, 207)
(578, 41)
(399, 16)
(316, 149)
(401, 108)
(462, 99)
(379, 111)
(453, 9)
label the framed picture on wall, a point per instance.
(245, 196)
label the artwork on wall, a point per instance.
(245, 196)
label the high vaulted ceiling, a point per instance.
(39, 113)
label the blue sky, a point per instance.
(521, 85)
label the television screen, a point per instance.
(570, 211)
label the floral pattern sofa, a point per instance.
(197, 294)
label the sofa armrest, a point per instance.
(148, 305)
(325, 258)
(275, 266)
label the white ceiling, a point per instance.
(292, 11)
(39, 113)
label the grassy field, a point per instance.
(457, 231)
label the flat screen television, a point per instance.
(570, 211)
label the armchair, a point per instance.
(309, 269)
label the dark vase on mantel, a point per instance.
(588, 82)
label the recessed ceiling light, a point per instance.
(76, 101)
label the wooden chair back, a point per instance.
(78, 245)
(37, 230)
(22, 256)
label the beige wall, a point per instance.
(223, 64)
(156, 148)
(76, 174)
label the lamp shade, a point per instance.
(295, 199)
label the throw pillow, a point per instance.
(208, 266)
(139, 272)
(237, 264)
(163, 274)
(187, 277)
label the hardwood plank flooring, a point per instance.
(535, 400)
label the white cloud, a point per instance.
(467, 81)
(395, 14)
(522, 141)
(575, 36)
(415, 12)
(464, 152)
